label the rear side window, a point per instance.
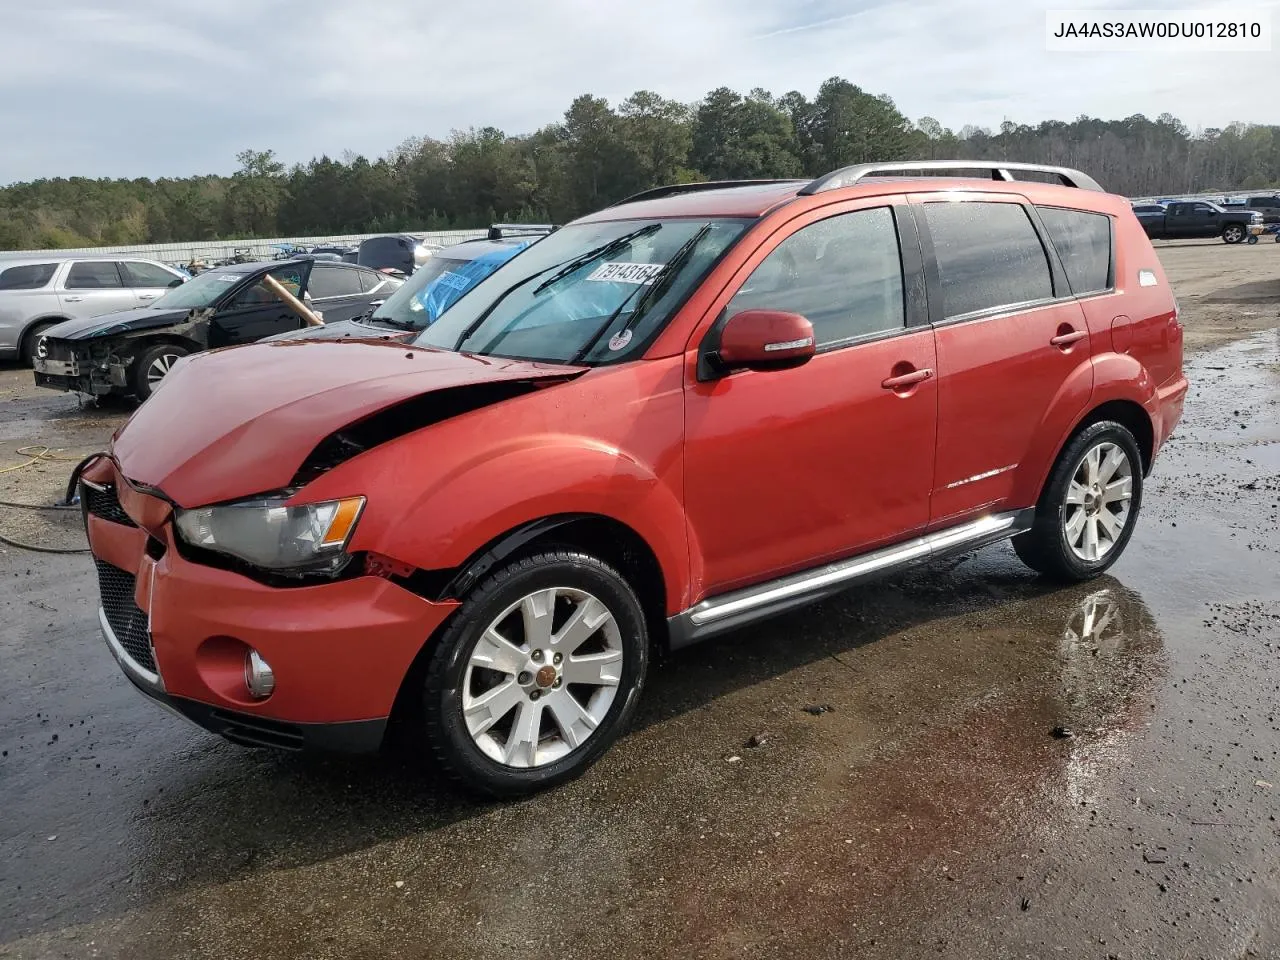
(371, 280)
(844, 274)
(333, 282)
(147, 275)
(29, 277)
(93, 274)
(988, 254)
(1083, 242)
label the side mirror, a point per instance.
(765, 340)
(176, 282)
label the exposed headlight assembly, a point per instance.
(263, 532)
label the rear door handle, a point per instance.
(1066, 339)
(907, 379)
(73, 299)
(147, 296)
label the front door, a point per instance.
(1012, 346)
(148, 281)
(255, 312)
(788, 469)
(91, 288)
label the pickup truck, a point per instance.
(1198, 218)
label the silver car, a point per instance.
(37, 292)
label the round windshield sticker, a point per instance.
(620, 340)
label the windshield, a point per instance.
(579, 294)
(438, 284)
(198, 292)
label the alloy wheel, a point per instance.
(160, 367)
(542, 677)
(1098, 501)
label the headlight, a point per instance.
(264, 532)
(1255, 217)
(42, 348)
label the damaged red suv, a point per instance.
(692, 410)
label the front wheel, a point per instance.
(1232, 233)
(536, 675)
(153, 366)
(1089, 506)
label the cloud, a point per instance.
(145, 88)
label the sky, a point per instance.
(143, 88)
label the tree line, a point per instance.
(598, 154)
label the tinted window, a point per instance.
(988, 256)
(1083, 242)
(146, 274)
(93, 273)
(1149, 208)
(333, 282)
(371, 281)
(1201, 208)
(844, 274)
(30, 277)
(379, 252)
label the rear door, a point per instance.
(1012, 344)
(90, 288)
(254, 312)
(148, 281)
(336, 292)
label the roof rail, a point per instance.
(499, 230)
(999, 169)
(673, 189)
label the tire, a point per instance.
(149, 369)
(1233, 233)
(498, 752)
(27, 351)
(1252, 239)
(1058, 545)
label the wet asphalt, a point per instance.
(962, 762)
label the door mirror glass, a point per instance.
(765, 340)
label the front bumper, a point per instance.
(64, 369)
(180, 631)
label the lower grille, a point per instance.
(128, 621)
(250, 731)
(102, 502)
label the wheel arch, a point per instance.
(32, 325)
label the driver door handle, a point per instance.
(1066, 339)
(73, 299)
(907, 379)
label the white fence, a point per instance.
(218, 249)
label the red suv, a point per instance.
(697, 408)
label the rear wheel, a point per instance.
(153, 365)
(1089, 506)
(30, 341)
(537, 674)
(1232, 233)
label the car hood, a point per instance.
(112, 323)
(240, 421)
(343, 330)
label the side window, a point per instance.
(844, 274)
(93, 274)
(1083, 242)
(1202, 208)
(290, 278)
(29, 277)
(371, 281)
(138, 274)
(988, 254)
(333, 282)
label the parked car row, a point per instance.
(1183, 220)
(700, 407)
(123, 341)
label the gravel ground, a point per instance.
(962, 762)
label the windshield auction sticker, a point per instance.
(620, 272)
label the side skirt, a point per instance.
(728, 611)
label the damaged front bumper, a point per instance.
(96, 371)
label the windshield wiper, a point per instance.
(596, 254)
(653, 292)
(389, 321)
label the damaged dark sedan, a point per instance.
(129, 353)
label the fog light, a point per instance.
(258, 676)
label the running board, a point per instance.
(732, 610)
